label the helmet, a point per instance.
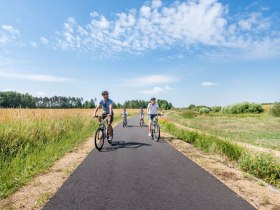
(141, 107)
(105, 92)
(152, 99)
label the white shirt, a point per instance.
(153, 108)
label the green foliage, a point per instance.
(164, 104)
(242, 108)
(16, 100)
(275, 110)
(136, 104)
(188, 114)
(29, 148)
(260, 165)
(204, 110)
(216, 109)
(263, 166)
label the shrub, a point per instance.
(189, 114)
(216, 108)
(204, 110)
(275, 110)
(242, 108)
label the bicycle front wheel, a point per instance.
(99, 139)
(156, 132)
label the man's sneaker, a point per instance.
(150, 134)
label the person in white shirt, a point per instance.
(124, 113)
(152, 111)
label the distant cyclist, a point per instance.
(142, 113)
(152, 111)
(107, 106)
(124, 113)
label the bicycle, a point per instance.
(101, 133)
(141, 120)
(124, 121)
(155, 128)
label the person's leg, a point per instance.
(150, 124)
(110, 128)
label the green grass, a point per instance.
(31, 147)
(260, 165)
(28, 149)
(257, 129)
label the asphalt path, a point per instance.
(139, 173)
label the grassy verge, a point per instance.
(261, 130)
(30, 147)
(261, 165)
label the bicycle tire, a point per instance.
(156, 132)
(99, 140)
(141, 123)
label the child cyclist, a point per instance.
(124, 114)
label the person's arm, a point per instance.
(148, 109)
(158, 107)
(110, 109)
(96, 109)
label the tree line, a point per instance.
(18, 100)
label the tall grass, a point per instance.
(260, 165)
(31, 140)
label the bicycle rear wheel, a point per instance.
(141, 123)
(99, 139)
(156, 132)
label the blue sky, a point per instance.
(212, 52)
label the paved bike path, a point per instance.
(138, 173)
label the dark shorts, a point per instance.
(152, 116)
(112, 117)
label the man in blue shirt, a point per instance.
(107, 106)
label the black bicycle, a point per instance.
(141, 120)
(124, 121)
(101, 133)
(155, 128)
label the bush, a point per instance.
(216, 108)
(188, 114)
(242, 108)
(275, 110)
(204, 110)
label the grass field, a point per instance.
(32, 140)
(257, 129)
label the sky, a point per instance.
(210, 52)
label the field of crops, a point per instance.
(32, 139)
(257, 129)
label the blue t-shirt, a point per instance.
(105, 105)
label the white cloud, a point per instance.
(150, 80)
(32, 77)
(155, 90)
(208, 84)
(8, 34)
(33, 44)
(44, 40)
(189, 24)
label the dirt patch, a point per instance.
(256, 192)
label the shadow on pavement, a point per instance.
(132, 126)
(123, 145)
